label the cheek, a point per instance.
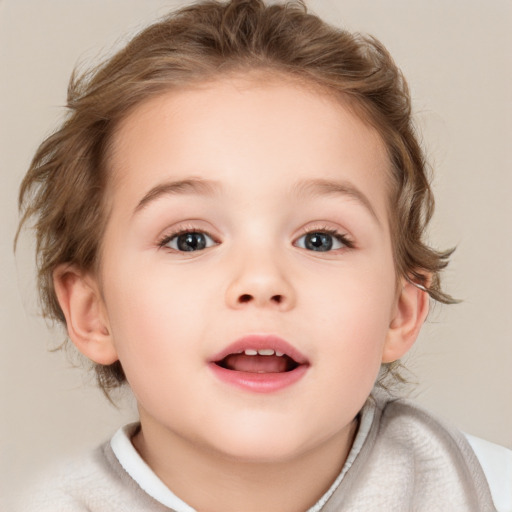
(144, 312)
(361, 288)
(154, 309)
(151, 335)
(353, 310)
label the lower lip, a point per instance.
(259, 382)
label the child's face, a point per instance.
(284, 199)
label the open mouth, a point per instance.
(266, 360)
(260, 363)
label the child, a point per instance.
(232, 220)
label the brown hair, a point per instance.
(65, 185)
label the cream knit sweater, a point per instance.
(408, 461)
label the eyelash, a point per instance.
(340, 237)
(182, 231)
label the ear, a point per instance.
(80, 299)
(410, 313)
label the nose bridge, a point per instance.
(259, 277)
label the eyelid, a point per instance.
(340, 234)
(192, 227)
(181, 229)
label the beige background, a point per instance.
(456, 55)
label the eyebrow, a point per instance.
(203, 187)
(318, 187)
(196, 186)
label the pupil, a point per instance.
(319, 241)
(191, 242)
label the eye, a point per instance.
(323, 241)
(188, 241)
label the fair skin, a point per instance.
(286, 190)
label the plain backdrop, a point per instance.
(456, 56)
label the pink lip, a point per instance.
(260, 382)
(259, 342)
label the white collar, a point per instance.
(135, 466)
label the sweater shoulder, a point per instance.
(92, 482)
(62, 485)
(409, 426)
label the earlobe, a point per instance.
(409, 315)
(86, 319)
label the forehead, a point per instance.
(246, 131)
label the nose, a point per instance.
(260, 282)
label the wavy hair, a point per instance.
(64, 188)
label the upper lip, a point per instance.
(260, 342)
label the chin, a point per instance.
(261, 443)
(260, 453)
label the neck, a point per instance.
(212, 482)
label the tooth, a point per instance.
(279, 354)
(250, 352)
(266, 352)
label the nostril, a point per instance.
(247, 297)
